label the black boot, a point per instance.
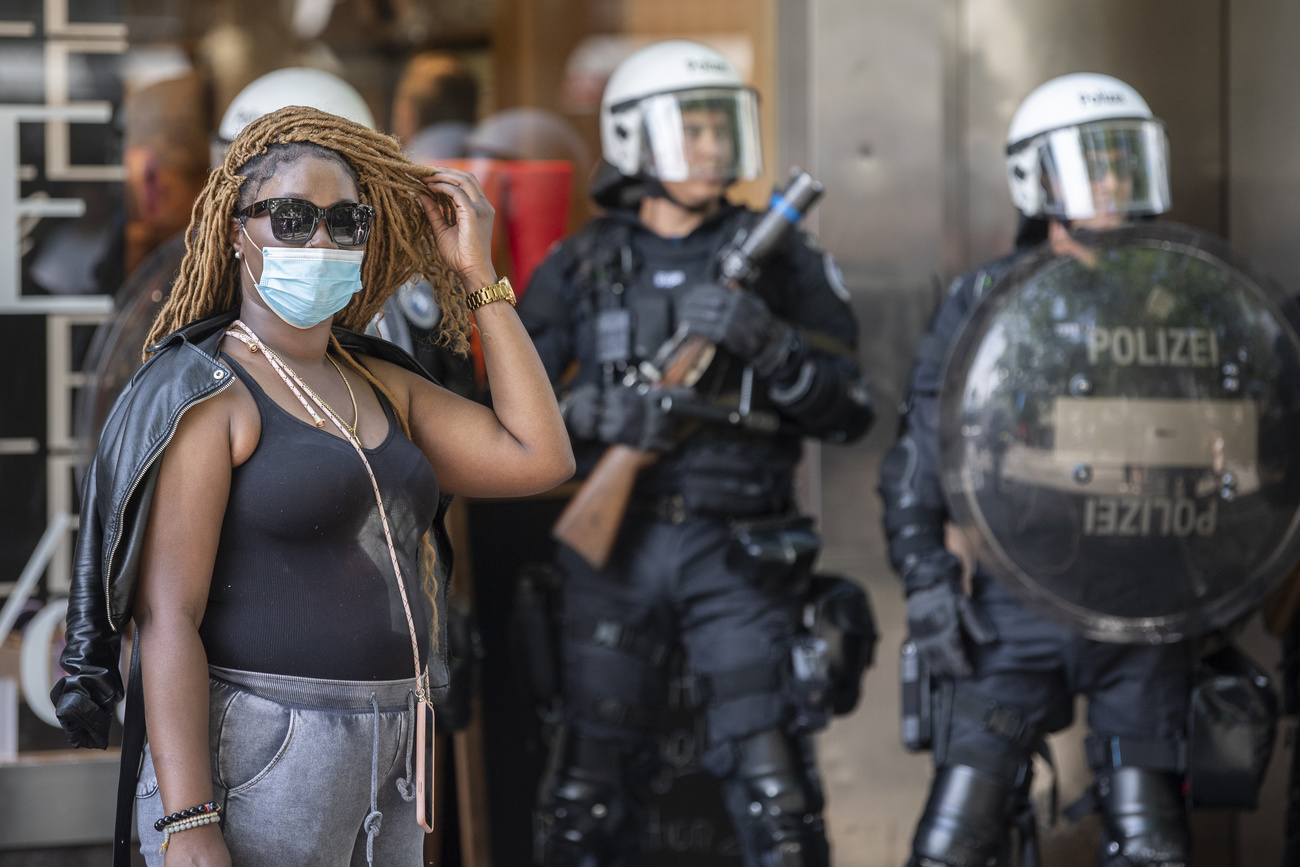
(1144, 819)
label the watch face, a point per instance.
(501, 291)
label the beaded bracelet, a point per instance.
(200, 810)
(185, 825)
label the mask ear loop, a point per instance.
(244, 259)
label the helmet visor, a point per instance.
(1113, 166)
(704, 134)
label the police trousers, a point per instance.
(1036, 667)
(670, 582)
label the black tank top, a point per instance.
(303, 583)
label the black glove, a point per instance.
(939, 618)
(635, 417)
(740, 322)
(580, 408)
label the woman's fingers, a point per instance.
(465, 243)
(466, 208)
(461, 180)
(435, 212)
(471, 199)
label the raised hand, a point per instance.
(466, 243)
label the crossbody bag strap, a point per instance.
(302, 391)
(132, 750)
(241, 332)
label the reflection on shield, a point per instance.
(1120, 434)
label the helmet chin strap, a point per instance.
(655, 188)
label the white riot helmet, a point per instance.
(1084, 144)
(314, 88)
(677, 111)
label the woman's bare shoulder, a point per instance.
(394, 377)
(229, 420)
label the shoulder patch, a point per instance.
(835, 277)
(669, 279)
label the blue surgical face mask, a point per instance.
(304, 286)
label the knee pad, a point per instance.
(1144, 818)
(967, 819)
(589, 810)
(776, 802)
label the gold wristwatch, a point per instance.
(498, 291)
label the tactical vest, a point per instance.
(718, 469)
(633, 317)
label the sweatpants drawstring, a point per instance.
(374, 819)
(405, 788)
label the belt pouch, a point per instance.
(774, 550)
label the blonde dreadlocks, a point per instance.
(401, 245)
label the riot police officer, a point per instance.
(1084, 152)
(678, 126)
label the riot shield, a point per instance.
(1120, 434)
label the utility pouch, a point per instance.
(915, 723)
(811, 682)
(464, 659)
(613, 336)
(653, 325)
(534, 635)
(837, 611)
(1231, 727)
(774, 551)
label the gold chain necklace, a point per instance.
(356, 413)
(317, 420)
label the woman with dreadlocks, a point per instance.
(267, 500)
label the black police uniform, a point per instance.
(410, 319)
(1023, 680)
(606, 300)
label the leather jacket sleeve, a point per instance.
(116, 500)
(84, 699)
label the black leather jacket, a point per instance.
(116, 497)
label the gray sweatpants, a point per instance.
(306, 771)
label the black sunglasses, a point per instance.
(294, 221)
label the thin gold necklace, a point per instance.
(356, 413)
(317, 420)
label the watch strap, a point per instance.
(498, 291)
